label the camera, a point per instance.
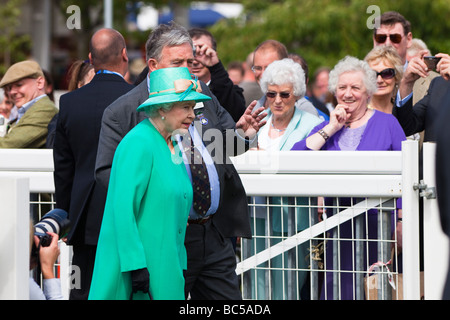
(431, 62)
(55, 221)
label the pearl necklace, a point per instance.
(278, 130)
(168, 139)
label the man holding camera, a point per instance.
(395, 30)
(47, 258)
(44, 252)
(423, 114)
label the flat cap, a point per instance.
(21, 70)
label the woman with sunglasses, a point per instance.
(353, 126)
(283, 83)
(388, 65)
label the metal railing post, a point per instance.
(435, 241)
(359, 254)
(410, 200)
(14, 239)
(384, 251)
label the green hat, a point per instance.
(169, 85)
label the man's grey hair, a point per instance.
(164, 35)
(352, 64)
(285, 71)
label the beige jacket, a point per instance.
(31, 131)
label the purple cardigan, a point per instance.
(383, 133)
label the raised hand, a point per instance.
(252, 120)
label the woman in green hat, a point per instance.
(141, 251)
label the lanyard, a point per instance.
(108, 72)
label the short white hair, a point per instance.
(285, 71)
(352, 64)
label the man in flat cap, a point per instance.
(25, 83)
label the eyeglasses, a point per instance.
(283, 95)
(395, 38)
(257, 69)
(386, 74)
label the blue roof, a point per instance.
(197, 17)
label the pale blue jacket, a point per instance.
(301, 124)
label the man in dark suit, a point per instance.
(75, 150)
(424, 114)
(211, 261)
(394, 30)
(443, 174)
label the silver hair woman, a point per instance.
(285, 71)
(353, 82)
(283, 83)
(353, 127)
(352, 64)
(145, 181)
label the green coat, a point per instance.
(32, 129)
(145, 219)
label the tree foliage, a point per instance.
(13, 48)
(92, 18)
(324, 31)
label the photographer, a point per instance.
(423, 115)
(46, 259)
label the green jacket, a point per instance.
(32, 129)
(145, 219)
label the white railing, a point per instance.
(376, 175)
(382, 175)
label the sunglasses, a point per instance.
(283, 95)
(395, 38)
(386, 74)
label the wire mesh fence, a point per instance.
(311, 248)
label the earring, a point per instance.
(163, 118)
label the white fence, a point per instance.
(377, 177)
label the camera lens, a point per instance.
(54, 221)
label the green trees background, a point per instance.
(324, 31)
(12, 47)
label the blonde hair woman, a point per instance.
(386, 62)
